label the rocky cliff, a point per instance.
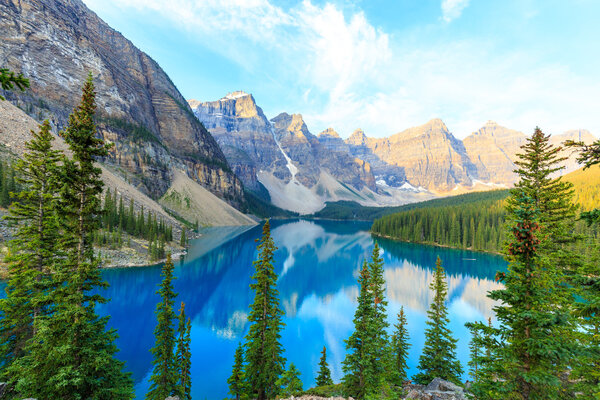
(282, 155)
(429, 154)
(493, 149)
(56, 43)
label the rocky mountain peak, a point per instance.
(358, 138)
(236, 95)
(292, 124)
(329, 133)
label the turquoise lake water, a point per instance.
(317, 263)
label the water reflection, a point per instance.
(318, 264)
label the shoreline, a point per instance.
(433, 244)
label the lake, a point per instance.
(318, 264)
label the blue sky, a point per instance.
(381, 65)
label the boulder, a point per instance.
(417, 395)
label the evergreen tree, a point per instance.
(400, 346)
(438, 359)
(475, 348)
(71, 355)
(237, 379)
(164, 379)
(8, 81)
(324, 377)
(535, 346)
(184, 355)
(33, 252)
(264, 359)
(183, 239)
(290, 382)
(381, 356)
(360, 378)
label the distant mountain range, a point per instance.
(284, 162)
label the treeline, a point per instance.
(117, 218)
(344, 210)
(476, 226)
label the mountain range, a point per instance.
(200, 160)
(281, 160)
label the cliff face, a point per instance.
(245, 135)
(429, 154)
(493, 149)
(56, 43)
(253, 144)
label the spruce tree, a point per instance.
(360, 378)
(237, 379)
(264, 359)
(535, 346)
(183, 357)
(164, 379)
(71, 355)
(438, 359)
(324, 377)
(33, 252)
(400, 346)
(8, 81)
(290, 382)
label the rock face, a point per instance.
(282, 151)
(245, 135)
(493, 149)
(577, 135)
(57, 43)
(429, 154)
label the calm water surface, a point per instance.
(318, 264)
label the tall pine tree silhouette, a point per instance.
(264, 359)
(324, 377)
(184, 356)
(438, 359)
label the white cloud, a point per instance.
(339, 70)
(452, 9)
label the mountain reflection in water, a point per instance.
(317, 263)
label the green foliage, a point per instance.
(336, 390)
(264, 359)
(476, 225)
(350, 210)
(290, 382)
(8, 184)
(8, 81)
(164, 379)
(184, 356)
(400, 346)
(533, 347)
(360, 378)
(33, 253)
(438, 359)
(324, 377)
(236, 381)
(71, 354)
(183, 239)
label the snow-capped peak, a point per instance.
(235, 95)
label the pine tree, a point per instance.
(183, 239)
(381, 356)
(237, 379)
(8, 81)
(165, 372)
(438, 359)
(33, 252)
(290, 382)
(183, 357)
(324, 377)
(72, 354)
(360, 378)
(264, 359)
(400, 346)
(475, 348)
